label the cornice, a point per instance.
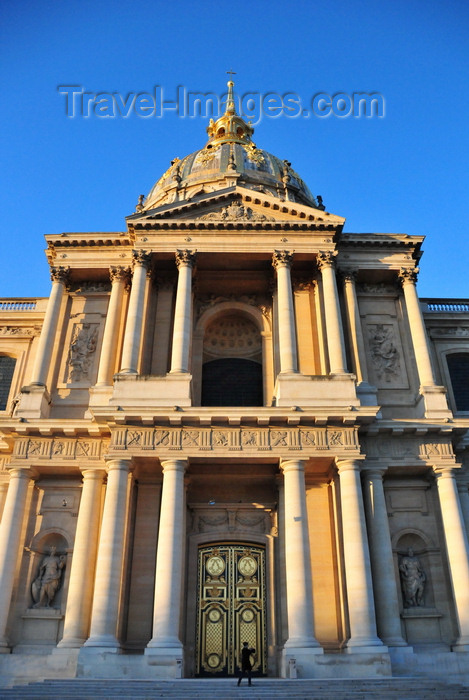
(88, 240)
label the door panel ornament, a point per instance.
(230, 608)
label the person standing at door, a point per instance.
(246, 665)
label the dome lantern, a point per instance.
(230, 127)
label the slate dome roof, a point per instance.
(229, 153)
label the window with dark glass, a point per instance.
(458, 366)
(7, 367)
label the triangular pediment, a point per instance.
(236, 205)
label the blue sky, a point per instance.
(406, 172)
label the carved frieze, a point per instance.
(19, 332)
(378, 289)
(87, 287)
(450, 332)
(249, 440)
(407, 449)
(57, 449)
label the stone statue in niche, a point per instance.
(48, 579)
(413, 580)
(82, 348)
(384, 354)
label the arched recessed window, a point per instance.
(458, 366)
(232, 362)
(7, 368)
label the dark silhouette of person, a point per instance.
(246, 666)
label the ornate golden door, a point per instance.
(230, 608)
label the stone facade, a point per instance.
(154, 513)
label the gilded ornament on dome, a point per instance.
(253, 153)
(205, 156)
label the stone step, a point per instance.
(262, 688)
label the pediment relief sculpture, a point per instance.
(235, 212)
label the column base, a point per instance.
(162, 646)
(34, 402)
(394, 642)
(168, 657)
(433, 403)
(71, 643)
(102, 642)
(136, 390)
(100, 395)
(337, 390)
(365, 646)
(298, 662)
(461, 645)
(367, 393)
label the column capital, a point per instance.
(118, 464)
(174, 465)
(326, 258)
(185, 258)
(282, 258)
(92, 472)
(443, 471)
(23, 472)
(371, 471)
(119, 273)
(348, 275)
(60, 274)
(346, 465)
(287, 465)
(141, 258)
(408, 275)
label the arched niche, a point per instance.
(232, 360)
(44, 544)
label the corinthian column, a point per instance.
(119, 276)
(298, 562)
(10, 533)
(185, 261)
(169, 561)
(134, 324)
(382, 564)
(408, 279)
(335, 334)
(108, 581)
(457, 547)
(282, 261)
(361, 607)
(80, 589)
(357, 342)
(59, 276)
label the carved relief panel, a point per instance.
(385, 354)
